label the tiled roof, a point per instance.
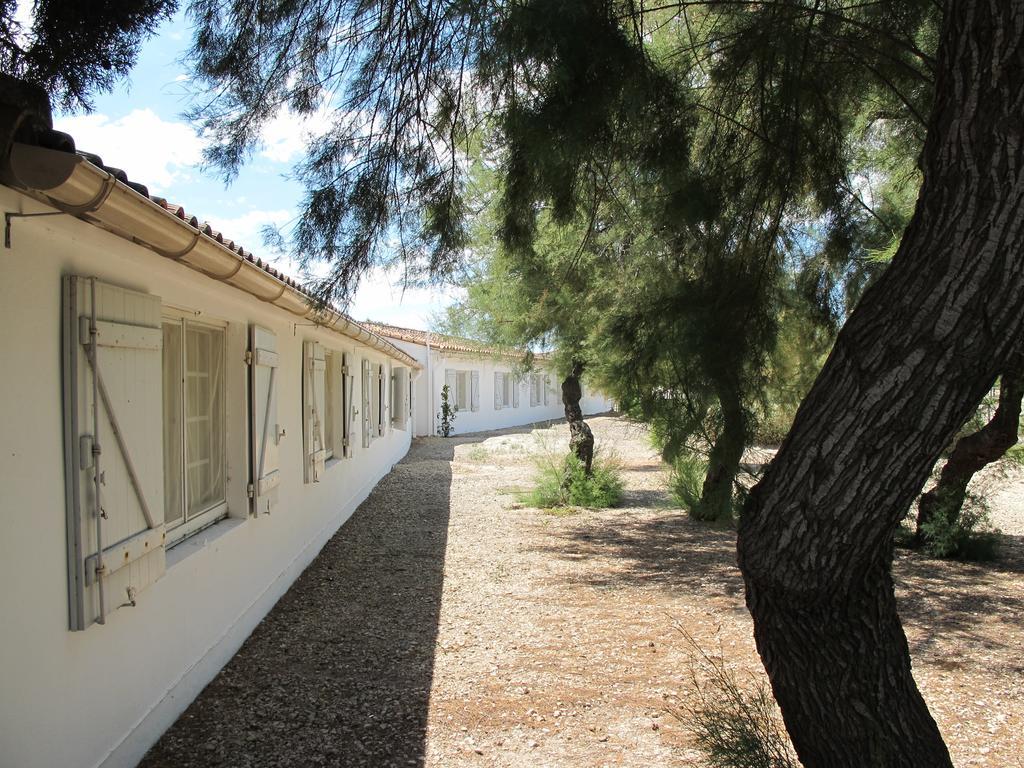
(441, 341)
(48, 138)
(66, 143)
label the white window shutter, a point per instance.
(336, 409)
(365, 402)
(515, 391)
(115, 439)
(384, 412)
(498, 384)
(400, 397)
(264, 430)
(314, 370)
(546, 387)
(474, 400)
(533, 390)
(348, 403)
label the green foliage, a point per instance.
(565, 483)
(964, 535)
(734, 726)
(447, 415)
(686, 480)
(74, 50)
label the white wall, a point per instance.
(103, 695)
(427, 389)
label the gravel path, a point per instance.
(446, 625)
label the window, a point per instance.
(536, 390)
(332, 402)
(503, 390)
(462, 390)
(378, 396)
(193, 425)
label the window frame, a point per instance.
(178, 532)
(330, 391)
(464, 386)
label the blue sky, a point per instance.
(138, 127)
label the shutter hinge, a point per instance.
(248, 357)
(250, 491)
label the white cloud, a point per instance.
(151, 150)
(381, 297)
(287, 135)
(245, 231)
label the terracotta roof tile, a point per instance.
(442, 341)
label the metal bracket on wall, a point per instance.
(9, 216)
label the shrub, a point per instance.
(447, 415)
(686, 482)
(966, 536)
(565, 483)
(733, 727)
(687, 479)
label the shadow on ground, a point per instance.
(669, 551)
(340, 671)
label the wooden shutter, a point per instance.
(474, 400)
(314, 368)
(515, 391)
(499, 383)
(533, 390)
(383, 407)
(400, 397)
(547, 387)
(113, 421)
(264, 430)
(365, 402)
(336, 409)
(348, 387)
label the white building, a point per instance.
(482, 384)
(155, 511)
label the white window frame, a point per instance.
(332, 367)
(219, 510)
(463, 390)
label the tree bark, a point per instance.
(974, 452)
(915, 358)
(581, 439)
(724, 459)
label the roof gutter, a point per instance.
(72, 184)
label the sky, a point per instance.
(139, 128)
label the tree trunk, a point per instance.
(724, 459)
(975, 451)
(915, 358)
(581, 439)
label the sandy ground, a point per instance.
(447, 625)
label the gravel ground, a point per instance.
(446, 625)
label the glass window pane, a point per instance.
(204, 417)
(173, 470)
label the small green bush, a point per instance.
(969, 535)
(565, 483)
(687, 479)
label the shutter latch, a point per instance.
(248, 357)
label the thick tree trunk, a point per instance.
(917, 355)
(581, 439)
(974, 452)
(724, 459)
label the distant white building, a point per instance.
(482, 384)
(183, 436)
